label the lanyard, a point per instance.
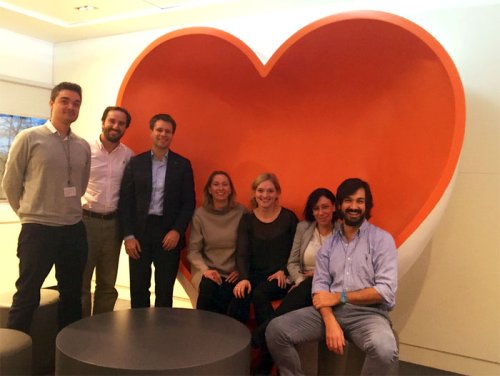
(65, 143)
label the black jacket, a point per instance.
(135, 195)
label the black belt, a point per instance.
(92, 214)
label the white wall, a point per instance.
(25, 67)
(448, 303)
(25, 58)
(25, 75)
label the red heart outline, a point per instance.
(365, 94)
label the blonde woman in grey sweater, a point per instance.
(212, 243)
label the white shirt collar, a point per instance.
(53, 129)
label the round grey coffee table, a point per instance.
(160, 341)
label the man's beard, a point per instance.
(115, 138)
(354, 223)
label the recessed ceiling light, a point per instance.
(85, 8)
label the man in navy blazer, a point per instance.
(156, 204)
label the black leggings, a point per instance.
(262, 294)
(214, 297)
(298, 297)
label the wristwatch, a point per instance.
(343, 297)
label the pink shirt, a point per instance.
(106, 172)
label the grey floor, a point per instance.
(408, 369)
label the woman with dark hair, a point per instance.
(265, 237)
(212, 243)
(319, 222)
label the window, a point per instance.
(10, 126)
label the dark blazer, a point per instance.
(135, 195)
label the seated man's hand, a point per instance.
(334, 336)
(323, 299)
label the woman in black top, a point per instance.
(265, 237)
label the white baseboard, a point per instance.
(447, 361)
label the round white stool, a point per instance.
(15, 352)
(44, 328)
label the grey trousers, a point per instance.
(368, 327)
(105, 241)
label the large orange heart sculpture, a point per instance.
(361, 94)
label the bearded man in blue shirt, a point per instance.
(354, 289)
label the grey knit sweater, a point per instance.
(212, 241)
(37, 173)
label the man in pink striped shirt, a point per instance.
(108, 161)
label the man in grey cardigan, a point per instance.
(46, 174)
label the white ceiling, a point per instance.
(59, 21)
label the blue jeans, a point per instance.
(369, 328)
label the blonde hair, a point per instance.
(266, 176)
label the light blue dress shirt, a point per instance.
(159, 170)
(368, 260)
